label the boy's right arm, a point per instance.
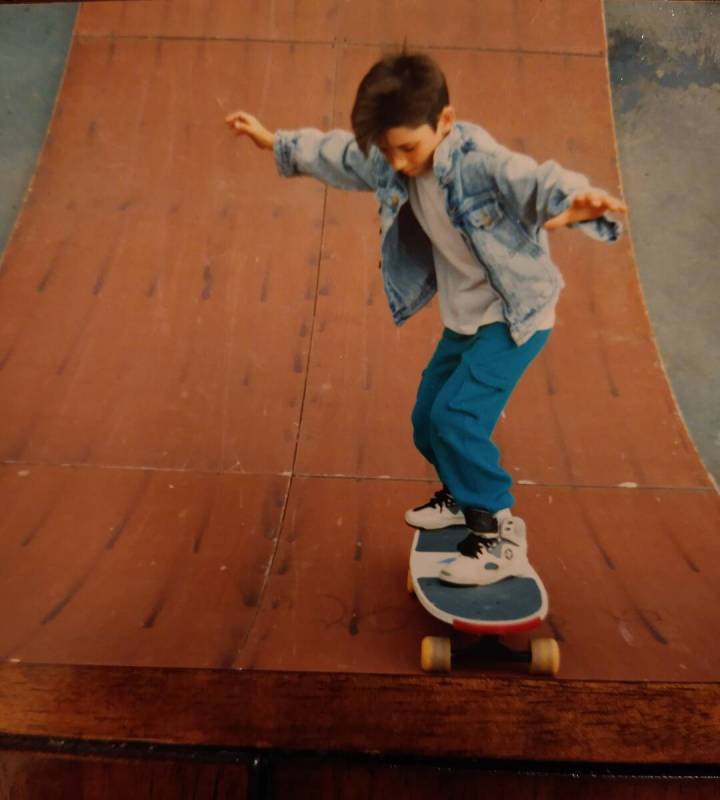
(333, 158)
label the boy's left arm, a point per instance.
(548, 196)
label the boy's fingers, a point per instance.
(609, 204)
(572, 215)
(585, 207)
(597, 200)
(558, 222)
(235, 115)
(585, 200)
(240, 121)
(236, 124)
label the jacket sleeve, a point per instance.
(333, 158)
(537, 193)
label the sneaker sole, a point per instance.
(418, 527)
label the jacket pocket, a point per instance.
(487, 215)
(489, 218)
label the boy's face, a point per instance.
(410, 150)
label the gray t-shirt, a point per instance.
(467, 300)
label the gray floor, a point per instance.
(665, 71)
(33, 45)
(665, 74)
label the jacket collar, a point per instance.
(442, 158)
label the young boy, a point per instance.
(464, 217)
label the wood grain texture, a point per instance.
(37, 776)
(472, 717)
(197, 775)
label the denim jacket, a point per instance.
(498, 201)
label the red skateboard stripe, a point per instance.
(496, 630)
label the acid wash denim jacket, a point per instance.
(498, 201)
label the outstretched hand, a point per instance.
(243, 123)
(586, 205)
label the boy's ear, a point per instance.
(447, 120)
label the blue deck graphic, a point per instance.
(442, 541)
(507, 600)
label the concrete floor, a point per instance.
(665, 72)
(34, 40)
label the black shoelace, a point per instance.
(474, 544)
(440, 499)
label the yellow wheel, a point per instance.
(544, 657)
(410, 586)
(435, 654)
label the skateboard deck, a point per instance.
(515, 604)
(512, 605)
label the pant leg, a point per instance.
(465, 413)
(441, 366)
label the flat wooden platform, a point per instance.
(205, 448)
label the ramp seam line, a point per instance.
(290, 475)
(332, 44)
(345, 476)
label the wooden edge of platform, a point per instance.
(455, 716)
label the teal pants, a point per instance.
(462, 394)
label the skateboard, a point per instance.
(512, 605)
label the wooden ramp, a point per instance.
(206, 449)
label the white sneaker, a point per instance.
(440, 512)
(496, 556)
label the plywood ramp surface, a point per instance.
(206, 447)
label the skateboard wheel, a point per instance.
(435, 654)
(544, 657)
(410, 586)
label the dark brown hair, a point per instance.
(401, 90)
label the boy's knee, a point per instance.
(444, 422)
(421, 427)
(420, 418)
